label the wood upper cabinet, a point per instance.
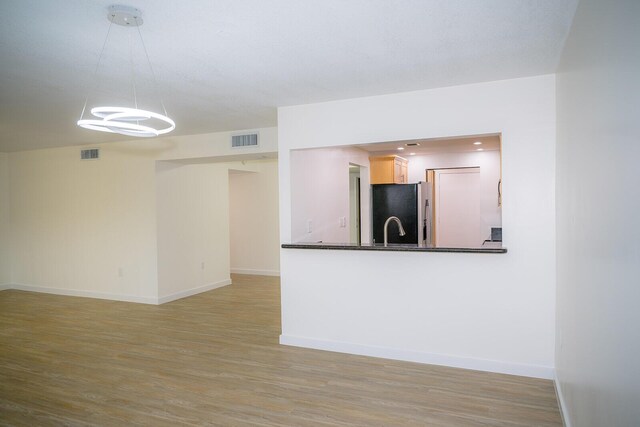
(390, 169)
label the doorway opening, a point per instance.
(254, 237)
(355, 215)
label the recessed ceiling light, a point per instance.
(400, 148)
(412, 154)
(477, 143)
(479, 149)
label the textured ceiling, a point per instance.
(226, 65)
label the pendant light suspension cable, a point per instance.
(95, 72)
(153, 74)
(133, 71)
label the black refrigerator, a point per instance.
(410, 203)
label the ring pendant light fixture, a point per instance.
(126, 120)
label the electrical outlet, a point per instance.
(202, 265)
(120, 272)
(309, 226)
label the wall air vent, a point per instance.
(240, 141)
(90, 154)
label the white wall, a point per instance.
(493, 312)
(253, 219)
(89, 227)
(489, 163)
(213, 145)
(193, 228)
(320, 193)
(598, 201)
(84, 225)
(5, 241)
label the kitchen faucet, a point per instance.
(386, 223)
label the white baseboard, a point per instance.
(5, 286)
(86, 294)
(194, 291)
(117, 297)
(255, 272)
(566, 421)
(534, 371)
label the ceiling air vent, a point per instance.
(90, 154)
(249, 140)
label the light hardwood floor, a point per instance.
(214, 359)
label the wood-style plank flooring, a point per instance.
(214, 359)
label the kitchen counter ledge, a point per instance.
(393, 247)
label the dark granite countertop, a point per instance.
(490, 249)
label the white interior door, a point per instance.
(457, 195)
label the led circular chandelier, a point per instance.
(126, 120)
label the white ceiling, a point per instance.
(435, 145)
(228, 64)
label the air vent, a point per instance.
(90, 154)
(249, 140)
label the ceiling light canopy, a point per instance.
(127, 120)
